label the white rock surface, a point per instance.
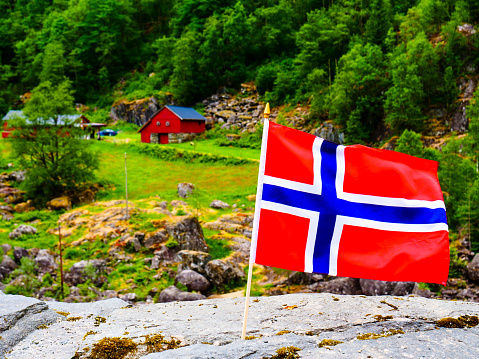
(212, 328)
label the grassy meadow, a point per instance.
(148, 176)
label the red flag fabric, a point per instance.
(349, 211)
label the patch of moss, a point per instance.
(157, 342)
(171, 243)
(283, 332)
(90, 332)
(286, 353)
(73, 319)
(380, 318)
(388, 333)
(250, 337)
(42, 326)
(112, 348)
(391, 305)
(99, 320)
(464, 321)
(329, 343)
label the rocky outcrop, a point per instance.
(240, 223)
(45, 261)
(221, 272)
(188, 233)
(473, 269)
(185, 189)
(173, 294)
(231, 113)
(193, 260)
(137, 112)
(19, 253)
(81, 271)
(22, 230)
(460, 122)
(193, 280)
(23, 318)
(329, 133)
(6, 213)
(11, 195)
(377, 327)
(19, 317)
(219, 204)
(60, 203)
(7, 265)
(379, 287)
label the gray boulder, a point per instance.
(153, 240)
(193, 280)
(173, 294)
(17, 176)
(45, 261)
(22, 230)
(473, 269)
(8, 263)
(19, 317)
(188, 233)
(301, 278)
(221, 272)
(379, 287)
(185, 189)
(212, 328)
(155, 263)
(344, 286)
(6, 248)
(193, 260)
(128, 297)
(219, 204)
(7, 266)
(78, 273)
(19, 253)
(167, 255)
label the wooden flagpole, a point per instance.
(126, 191)
(255, 224)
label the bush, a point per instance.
(171, 243)
(172, 154)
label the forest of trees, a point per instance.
(358, 62)
(365, 64)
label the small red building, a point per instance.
(171, 120)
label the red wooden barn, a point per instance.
(171, 120)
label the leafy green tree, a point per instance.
(379, 22)
(405, 97)
(184, 82)
(54, 63)
(50, 146)
(456, 176)
(421, 54)
(356, 94)
(410, 143)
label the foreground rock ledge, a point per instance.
(211, 328)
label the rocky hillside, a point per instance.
(310, 325)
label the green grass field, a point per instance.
(202, 146)
(149, 176)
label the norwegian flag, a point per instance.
(349, 211)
